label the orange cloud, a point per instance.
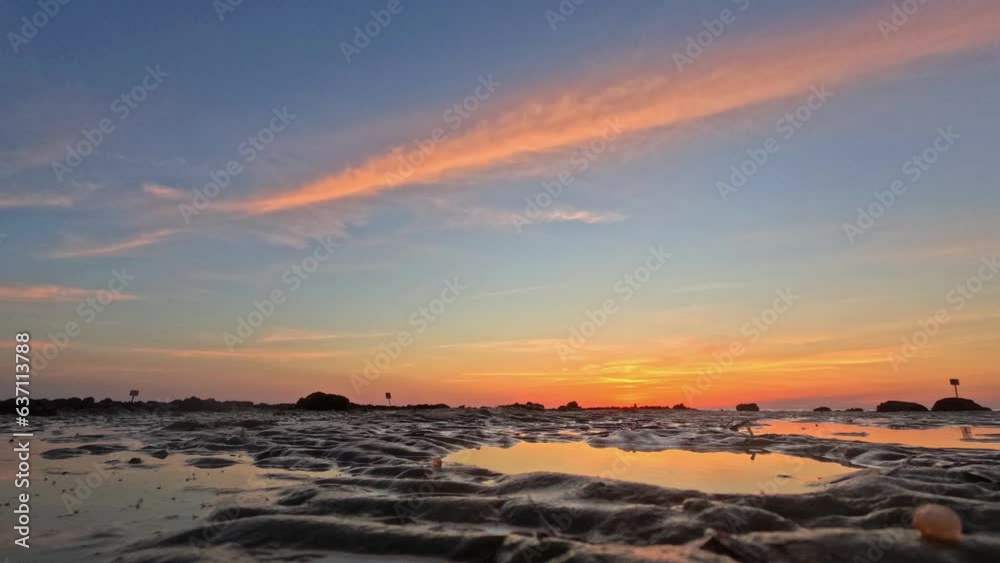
(165, 192)
(8, 201)
(241, 353)
(115, 248)
(53, 293)
(722, 80)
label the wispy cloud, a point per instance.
(10, 201)
(526, 345)
(703, 287)
(165, 193)
(725, 80)
(244, 353)
(486, 217)
(520, 291)
(78, 249)
(577, 215)
(51, 293)
(289, 335)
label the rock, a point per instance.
(323, 402)
(854, 409)
(680, 407)
(529, 405)
(135, 461)
(937, 523)
(571, 406)
(196, 404)
(952, 404)
(821, 409)
(900, 406)
(747, 407)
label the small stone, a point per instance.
(937, 523)
(437, 463)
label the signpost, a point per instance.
(955, 383)
(133, 394)
(388, 397)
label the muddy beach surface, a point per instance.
(508, 485)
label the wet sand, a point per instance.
(359, 486)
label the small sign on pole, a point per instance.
(388, 397)
(133, 394)
(955, 384)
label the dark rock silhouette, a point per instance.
(821, 409)
(681, 407)
(529, 405)
(900, 406)
(952, 404)
(323, 402)
(747, 407)
(854, 409)
(571, 406)
(195, 404)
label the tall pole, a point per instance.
(956, 391)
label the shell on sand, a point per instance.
(938, 523)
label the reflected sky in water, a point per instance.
(946, 437)
(715, 472)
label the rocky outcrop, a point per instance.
(528, 405)
(323, 402)
(821, 409)
(571, 406)
(197, 404)
(953, 404)
(681, 407)
(900, 406)
(747, 407)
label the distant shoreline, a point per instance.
(53, 407)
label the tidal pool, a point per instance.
(966, 437)
(714, 472)
(93, 501)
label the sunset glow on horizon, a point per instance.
(709, 204)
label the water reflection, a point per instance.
(101, 498)
(965, 437)
(716, 472)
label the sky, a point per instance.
(643, 203)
